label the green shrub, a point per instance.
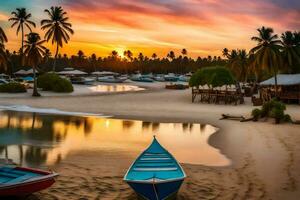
(266, 108)
(256, 114)
(47, 81)
(287, 118)
(213, 76)
(12, 87)
(274, 109)
(277, 114)
(63, 85)
(53, 82)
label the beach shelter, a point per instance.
(104, 73)
(283, 80)
(21, 72)
(288, 88)
(30, 71)
(73, 72)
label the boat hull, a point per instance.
(156, 191)
(26, 188)
(29, 186)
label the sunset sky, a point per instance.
(203, 27)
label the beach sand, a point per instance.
(265, 157)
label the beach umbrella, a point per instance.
(104, 73)
(21, 72)
(73, 72)
(30, 71)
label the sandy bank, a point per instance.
(266, 157)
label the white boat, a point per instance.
(141, 78)
(183, 78)
(111, 79)
(171, 77)
(159, 77)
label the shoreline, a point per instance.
(265, 157)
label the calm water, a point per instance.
(33, 139)
(115, 88)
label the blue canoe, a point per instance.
(155, 174)
(21, 181)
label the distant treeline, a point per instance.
(181, 64)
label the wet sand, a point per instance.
(265, 157)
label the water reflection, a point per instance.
(115, 88)
(33, 139)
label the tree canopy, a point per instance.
(212, 76)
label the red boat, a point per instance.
(21, 181)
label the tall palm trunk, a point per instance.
(22, 46)
(276, 86)
(35, 92)
(55, 59)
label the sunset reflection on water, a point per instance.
(33, 139)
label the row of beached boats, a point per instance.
(118, 78)
(154, 175)
(81, 77)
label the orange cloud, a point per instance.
(202, 26)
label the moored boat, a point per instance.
(141, 78)
(171, 77)
(155, 174)
(111, 79)
(21, 181)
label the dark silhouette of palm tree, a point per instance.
(3, 54)
(93, 61)
(184, 52)
(141, 57)
(114, 54)
(80, 55)
(34, 51)
(154, 56)
(57, 28)
(225, 52)
(267, 51)
(290, 52)
(171, 55)
(3, 37)
(128, 54)
(21, 18)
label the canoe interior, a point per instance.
(155, 163)
(13, 175)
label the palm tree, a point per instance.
(3, 55)
(225, 52)
(184, 52)
(3, 37)
(34, 51)
(171, 55)
(114, 54)
(128, 54)
(21, 18)
(154, 56)
(93, 61)
(290, 54)
(267, 51)
(141, 56)
(57, 28)
(241, 62)
(80, 55)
